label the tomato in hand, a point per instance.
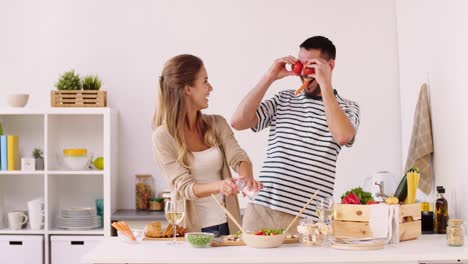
(297, 67)
(308, 71)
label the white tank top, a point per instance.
(206, 167)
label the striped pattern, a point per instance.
(302, 153)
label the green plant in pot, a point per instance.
(91, 82)
(156, 204)
(39, 159)
(69, 81)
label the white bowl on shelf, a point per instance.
(17, 100)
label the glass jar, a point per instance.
(455, 232)
(312, 233)
(143, 191)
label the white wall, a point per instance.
(433, 36)
(126, 43)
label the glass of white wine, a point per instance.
(324, 209)
(174, 211)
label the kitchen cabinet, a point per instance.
(70, 249)
(53, 130)
(22, 249)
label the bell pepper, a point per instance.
(351, 198)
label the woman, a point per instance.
(195, 151)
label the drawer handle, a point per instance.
(16, 243)
(77, 242)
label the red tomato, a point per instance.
(297, 68)
(371, 202)
(259, 233)
(308, 71)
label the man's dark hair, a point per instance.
(321, 43)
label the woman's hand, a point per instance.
(246, 174)
(228, 187)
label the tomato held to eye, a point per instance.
(297, 68)
(308, 71)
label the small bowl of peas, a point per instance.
(199, 239)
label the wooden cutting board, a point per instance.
(220, 242)
(163, 238)
(368, 245)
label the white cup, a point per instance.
(36, 214)
(16, 220)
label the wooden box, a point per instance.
(78, 98)
(352, 221)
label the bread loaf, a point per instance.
(153, 229)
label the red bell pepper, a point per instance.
(351, 199)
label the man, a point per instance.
(306, 135)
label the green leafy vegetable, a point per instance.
(364, 197)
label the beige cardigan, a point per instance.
(181, 181)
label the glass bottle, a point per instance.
(143, 191)
(441, 214)
(455, 233)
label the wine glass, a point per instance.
(324, 209)
(174, 211)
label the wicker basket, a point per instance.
(78, 98)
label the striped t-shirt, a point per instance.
(301, 154)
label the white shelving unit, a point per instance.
(52, 130)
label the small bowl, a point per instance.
(257, 241)
(76, 159)
(199, 239)
(138, 233)
(17, 100)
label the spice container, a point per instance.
(143, 191)
(441, 214)
(455, 233)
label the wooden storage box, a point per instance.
(78, 98)
(352, 221)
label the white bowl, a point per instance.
(257, 241)
(138, 233)
(17, 100)
(76, 163)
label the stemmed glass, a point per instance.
(174, 211)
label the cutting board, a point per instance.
(364, 245)
(163, 238)
(220, 242)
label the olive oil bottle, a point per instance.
(441, 215)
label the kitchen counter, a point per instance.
(427, 249)
(137, 215)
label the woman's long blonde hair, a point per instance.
(171, 109)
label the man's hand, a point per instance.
(323, 72)
(278, 69)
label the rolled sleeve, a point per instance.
(352, 113)
(265, 113)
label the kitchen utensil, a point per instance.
(300, 212)
(229, 214)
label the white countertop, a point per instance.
(429, 248)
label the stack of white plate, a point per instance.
(79, 218)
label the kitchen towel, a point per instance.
(421, 148)
(379, 220)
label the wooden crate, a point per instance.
(78, 98)
(352, 221)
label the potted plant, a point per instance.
(69, 81)
(91, 82)
(72, 91)
(156, 204)
(39, 159)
